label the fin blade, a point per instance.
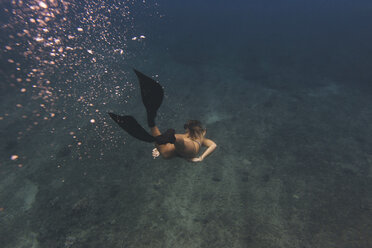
(132, 127)
(152, 94)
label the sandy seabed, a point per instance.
(292, 168)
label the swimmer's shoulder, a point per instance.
(208, 142)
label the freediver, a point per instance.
(169, 144)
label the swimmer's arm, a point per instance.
(211, 147)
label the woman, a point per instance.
(185, 145)
(168, 144)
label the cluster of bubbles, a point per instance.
(65, 56)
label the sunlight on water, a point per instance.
(60, 56)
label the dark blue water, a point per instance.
(283, 87)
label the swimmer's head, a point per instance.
(195, 129)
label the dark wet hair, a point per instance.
(195, 128)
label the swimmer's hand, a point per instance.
(155, 153)
(199, 159)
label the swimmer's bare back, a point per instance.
(184, 146)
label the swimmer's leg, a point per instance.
(155, 131)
